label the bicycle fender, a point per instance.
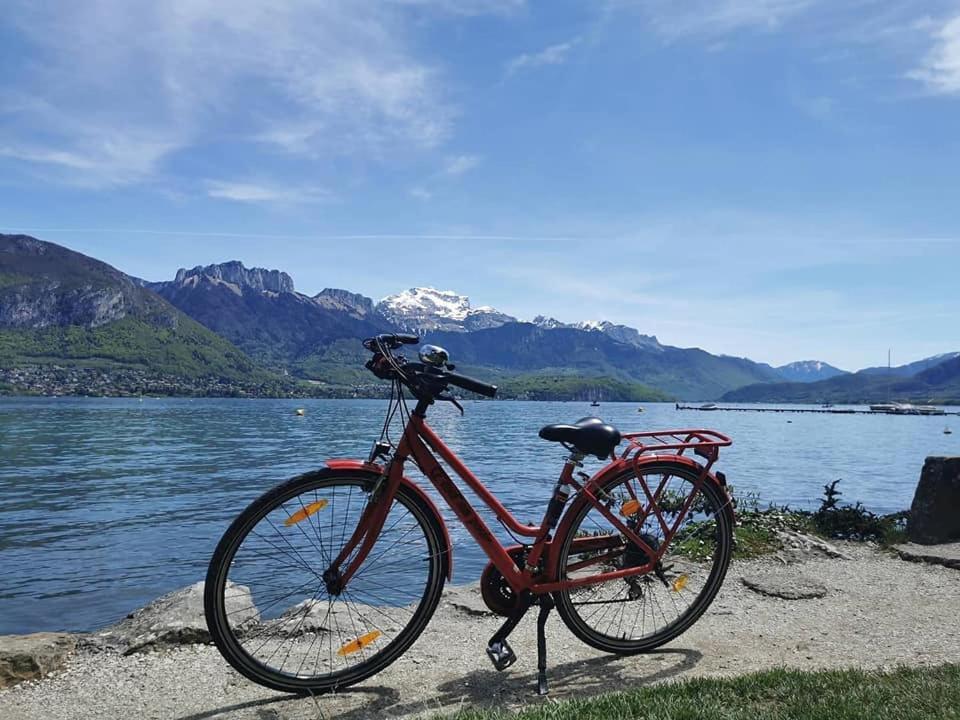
(359, 465)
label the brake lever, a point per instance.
(451, 399)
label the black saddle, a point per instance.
(589, 435)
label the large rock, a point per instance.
(321, 616)
(798, 546)
(935, 512)
(785, 584)
(175, 619)
(31, 657)
(947, 554)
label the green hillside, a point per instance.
(187, 349)
(70, 324)
(527, 350)
(568, 387)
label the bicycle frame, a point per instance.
(420, 442)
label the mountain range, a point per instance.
(229, 329)
(932, 380)
(68, 321)
(316, 338)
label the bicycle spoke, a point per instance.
(639, 608)
(304, 632)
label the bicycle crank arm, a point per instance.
(498, 649)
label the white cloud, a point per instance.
(95, 161)
(552, 55)
(111, 89)
(467, 7)
(457, 165)
(940, 69)
(260, 193)
(420, 193)
(713, 17)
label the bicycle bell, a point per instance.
(434, 355)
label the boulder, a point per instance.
(31, 657)
(784, 584)
(947, 554)
(798, 546)
(322, 616)
(935, 512)
(174, 619)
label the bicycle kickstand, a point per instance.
(546, 605)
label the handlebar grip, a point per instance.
(468, 383)
(390, 341)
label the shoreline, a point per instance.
(876, 611)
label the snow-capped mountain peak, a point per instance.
(427, 308)
(808, 371)
(427, 300)
(620, 333)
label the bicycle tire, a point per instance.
(229, 639)
(606, 642)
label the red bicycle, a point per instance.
(330, 577)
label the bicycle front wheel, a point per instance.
(639, 613)
(266, 602)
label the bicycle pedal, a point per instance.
(501, 655)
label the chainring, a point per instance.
(494, 588)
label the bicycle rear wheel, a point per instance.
(267, 604)
(639, 613)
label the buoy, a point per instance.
(301, 412)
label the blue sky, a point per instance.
(772, 178)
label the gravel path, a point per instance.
(878, 611)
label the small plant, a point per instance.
(855, 522)
(830, 495)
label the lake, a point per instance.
(105, 504)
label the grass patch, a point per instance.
(904, 694)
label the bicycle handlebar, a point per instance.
(468, 383)
(432, 379)
(390, 340)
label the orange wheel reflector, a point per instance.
(679, 584)
(301, 515)
(630, 507)
(359, 644)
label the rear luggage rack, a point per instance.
(705, 443)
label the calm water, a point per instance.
(106, 504)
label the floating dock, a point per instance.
(821, 411)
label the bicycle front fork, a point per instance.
(502, 655)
